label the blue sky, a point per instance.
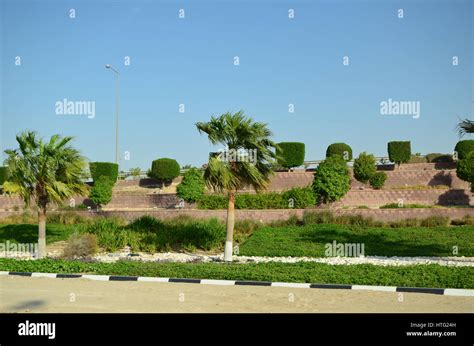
(190, 61)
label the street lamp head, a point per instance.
(108, 66)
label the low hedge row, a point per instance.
(298, 198)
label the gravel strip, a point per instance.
(201, 258)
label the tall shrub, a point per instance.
(465, 169)
(106, 169)
(192, 186)
(399, 151)
(331, 179)
(364, 167)
(340, 149)
(3, 174)
(101, 192)
(290, 154)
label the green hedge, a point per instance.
(439, 158)
(340, 149)
(290, 154)
(105, 169)
(299, 198)
(3, 174)
(399, 151)
(164, 169)
(463, 148)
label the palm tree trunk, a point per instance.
(230, 227)
(41, 232)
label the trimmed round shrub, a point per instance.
(340, 149)
(465, 169)
(463, 148)
(439, 158)
(331, 179)
(290, 154)
(364, 167)
(106, 169)
(3, 174)
(192, 186)
(399, 151)
(377, 181)
(101, 192)
(164, 169)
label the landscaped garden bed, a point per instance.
(408, 276)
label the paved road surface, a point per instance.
(28, 294)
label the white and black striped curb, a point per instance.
(440, 291)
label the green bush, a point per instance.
(106, 169)
(3, 174)
(290, 154)
(377, 180)
(312, 217)
(331, 179)
(465, 169)
(364, 167)
(439, 158)
(101, 192)
(435, 221)
(192, 186)
(340, 149)
(399, 151)
(164, 169)
(463, 148)
(66, 218)
(300, 198)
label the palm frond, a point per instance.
(465, 126)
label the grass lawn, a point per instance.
(366, 274)
(28, 233)
(310, 240)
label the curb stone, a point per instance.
(440, 291)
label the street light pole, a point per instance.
(117, 86)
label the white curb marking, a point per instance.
(43, 275)
(374, 288)
(458, 292)
(149, 279)
(218, 282)
(290, 284)
(96, 277)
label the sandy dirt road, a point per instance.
(30, 294)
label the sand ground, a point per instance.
(29, 294)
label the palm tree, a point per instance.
(465, 126)
(237, 133)
(44, 173)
